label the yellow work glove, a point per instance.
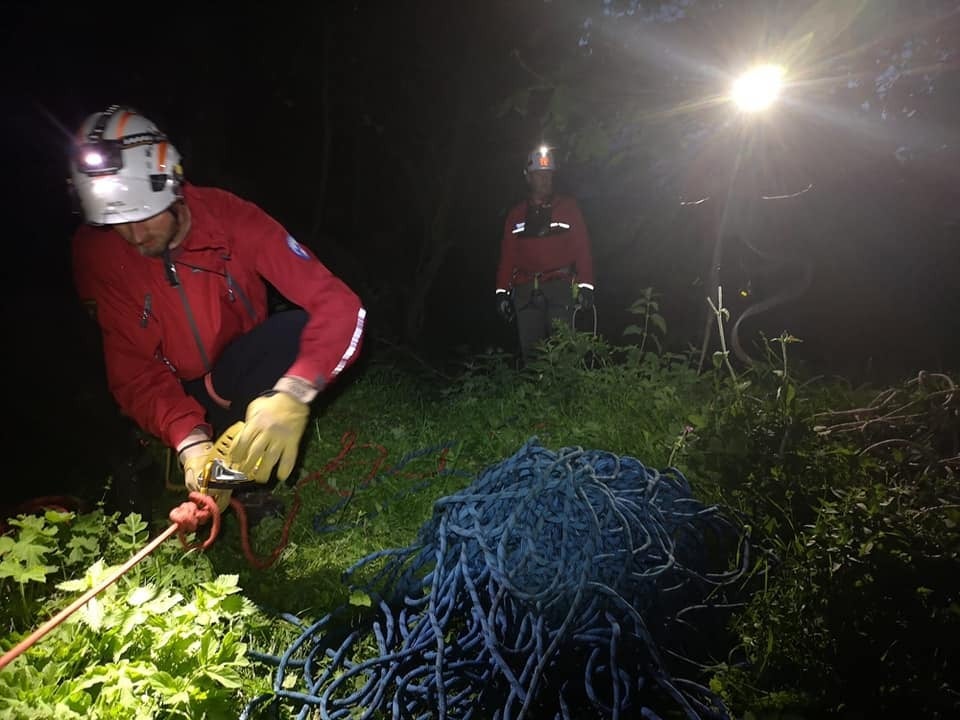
(271, 436)
(194, 459)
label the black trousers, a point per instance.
(537, 308)
(248, 366)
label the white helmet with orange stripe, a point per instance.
(123, 168)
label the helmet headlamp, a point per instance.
(99, 157)
(541, 159)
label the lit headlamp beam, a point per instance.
(93, 159)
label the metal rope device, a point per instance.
(557, 585)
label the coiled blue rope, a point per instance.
(544, 589)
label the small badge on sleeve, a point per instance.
(297, 248)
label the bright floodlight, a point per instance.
(757, 89)
(93, 159)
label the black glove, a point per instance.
(505, 306)
(585, 298)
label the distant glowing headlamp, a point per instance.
(540, 159)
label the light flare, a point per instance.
(93, 159)
(107, 186)
(758, 88)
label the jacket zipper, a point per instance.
(174, 280)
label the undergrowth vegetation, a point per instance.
(850, 606)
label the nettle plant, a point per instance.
(166, 640)
(650, 326)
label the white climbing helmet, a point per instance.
(123, 168)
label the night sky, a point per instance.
(390, 138)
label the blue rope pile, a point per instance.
(546, 589)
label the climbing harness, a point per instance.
(551, 586)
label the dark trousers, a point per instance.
(248, 366)
(537, 308)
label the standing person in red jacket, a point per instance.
(177, 278)
(546, 267)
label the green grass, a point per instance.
(838, 528)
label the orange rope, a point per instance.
(188, 516)
(347, 444)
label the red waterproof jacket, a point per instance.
(560, 248)
(156, 334)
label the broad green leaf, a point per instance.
(163, 602)
(81, 548)
(32, 526)
(140, 595)
(360, 598)
(791, 394)
(165, 683)
(30, 552)
(57, 517)
(35, 573)
(223, 674)
(223, 585)
(75, 585)
(9, 567)
(132, 621)
(92, 613)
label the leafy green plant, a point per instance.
(67, 539)
(651, 325)
(850, 497)
(848, 584)
(480, 376)
(160, 642)
(558, 367)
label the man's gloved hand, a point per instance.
(194, 458)
(271, 436)
(505, 306)
(585, 297)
